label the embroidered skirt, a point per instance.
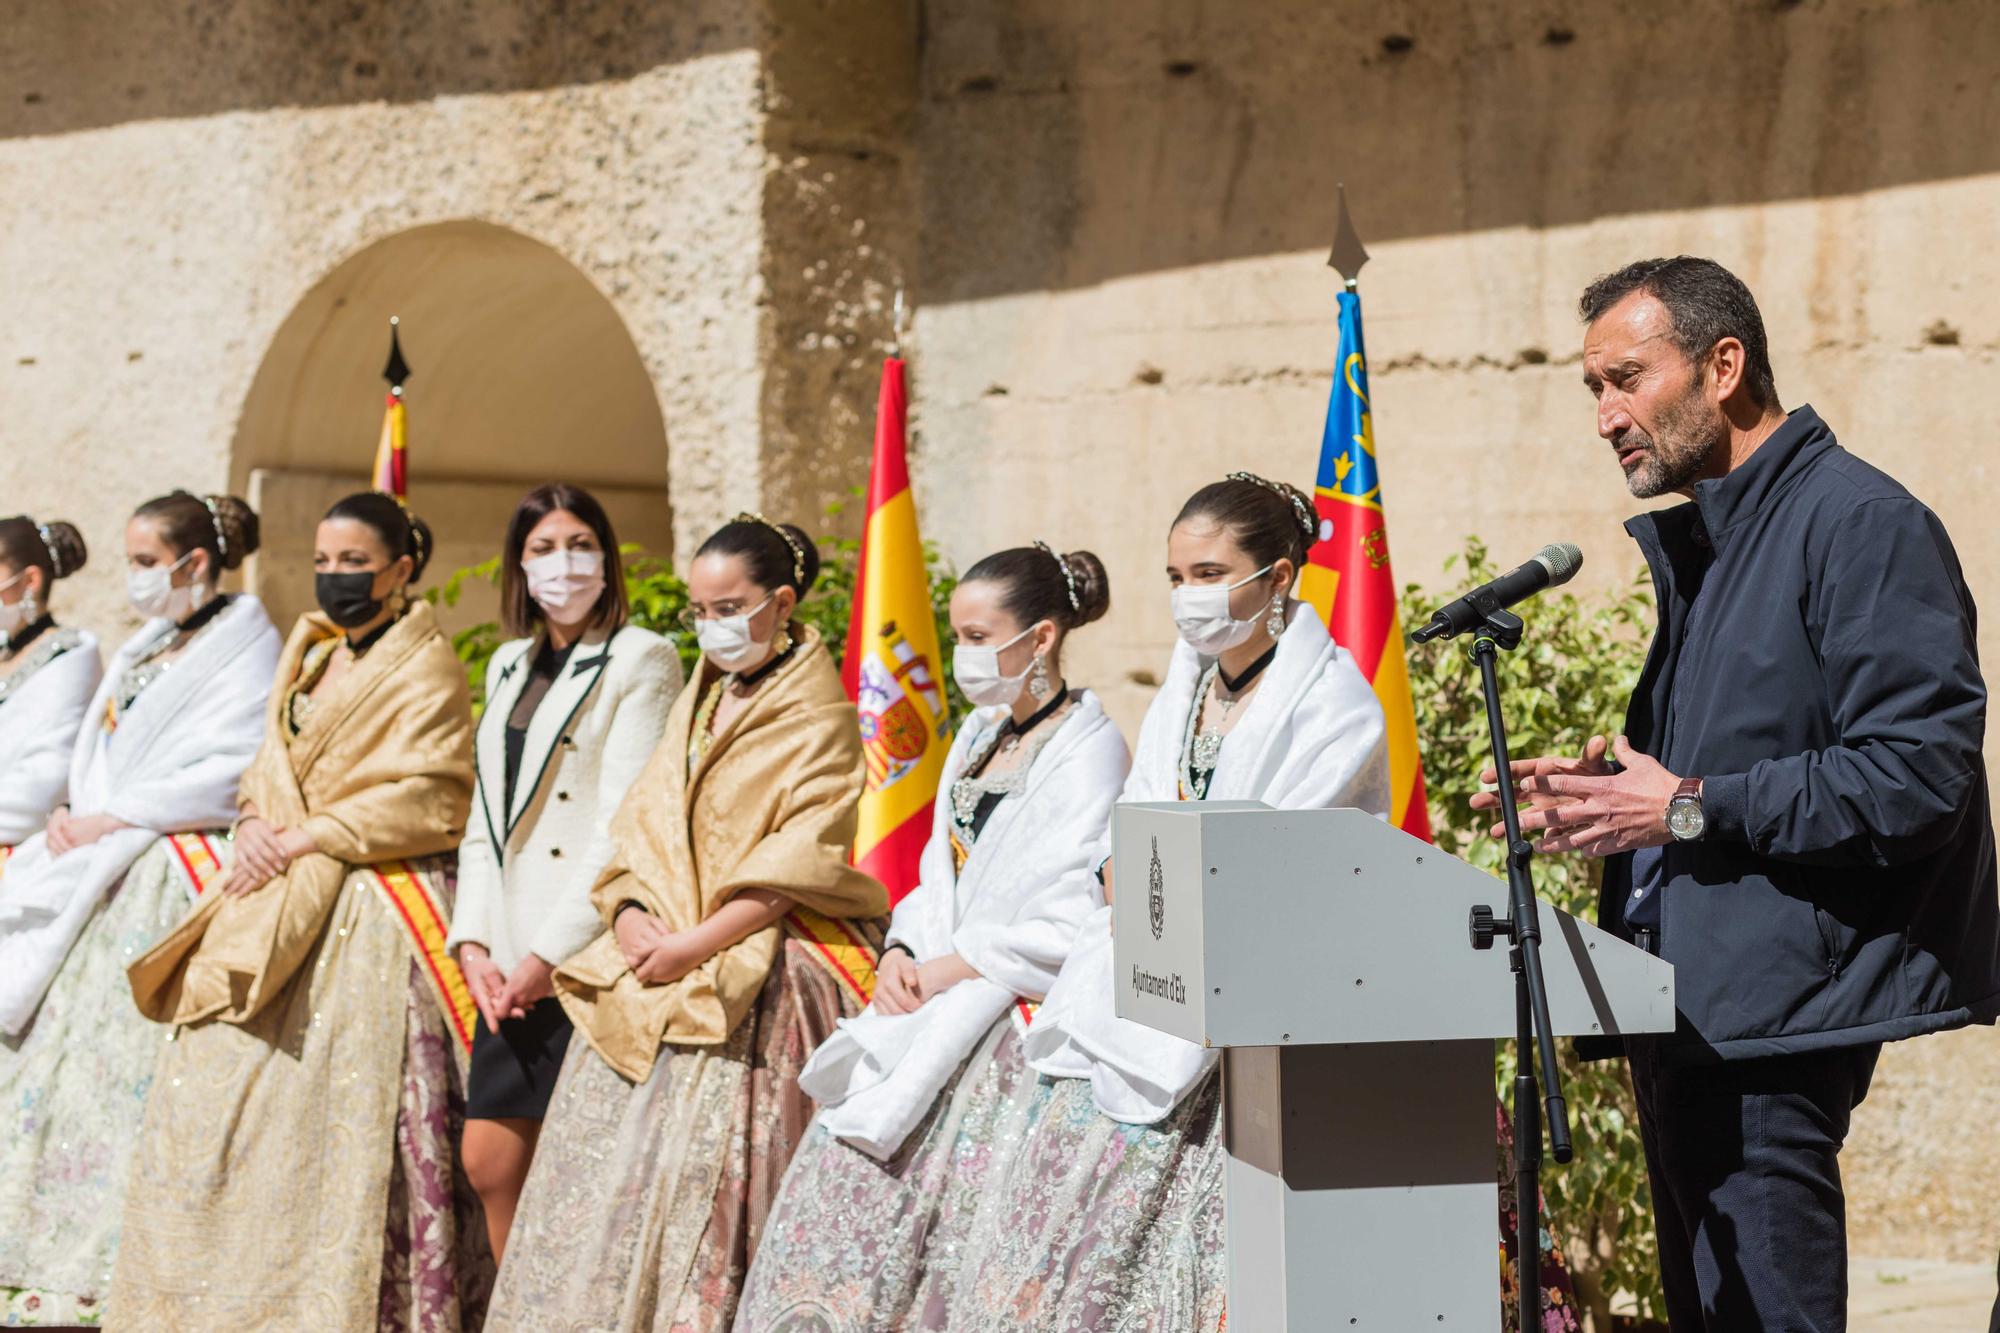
(645, 1203)
(855, 1245)
(1092, 1224)
(73, 1088)
(300, 1170)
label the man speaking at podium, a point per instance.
(1796, 817)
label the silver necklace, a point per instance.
(968, 792)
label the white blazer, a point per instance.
(525, 874)
(41, 714)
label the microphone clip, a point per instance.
(1501, 628)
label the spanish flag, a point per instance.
(391, 468)
(1347, 576)
(891, 668)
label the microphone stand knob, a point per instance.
(1482, 927)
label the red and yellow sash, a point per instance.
(409, 897)
(838, 947)
(198, 859)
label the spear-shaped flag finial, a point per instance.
(1348, 254)
(398, 370)
(898, 319)
(392, 475)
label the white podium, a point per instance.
(1328, 954)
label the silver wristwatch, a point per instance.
(1685, 817)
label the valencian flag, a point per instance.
(392, 475)
(891, 666)
(1347, 576)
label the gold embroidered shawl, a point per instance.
(772, 804)
(381, 770)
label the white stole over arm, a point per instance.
(1311, 737)
(39, 722)
(1012, 913)
(171, 766)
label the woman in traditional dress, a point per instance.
(47, 674)
(1107, 1213)
(296, 1165)
(866, 1231)
(737, 937)
(171, 730)
(574, 708)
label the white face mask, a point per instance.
(153, 593)
(19, 615)
(727, 642)
(1201, 614)
(977, 669)
(565, 584)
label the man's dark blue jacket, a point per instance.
(1827, 692)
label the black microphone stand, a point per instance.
(1498, 631)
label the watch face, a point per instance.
(1684, 818)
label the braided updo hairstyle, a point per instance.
(56, 548)
(1269, 520)
(1036, 584)
(221, 525)
(403, 533)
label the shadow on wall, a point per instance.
(522, 372)
(1065, 145)
(81, 64)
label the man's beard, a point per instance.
(1674, 457)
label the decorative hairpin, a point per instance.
(215, 521)
(1307, 523)
(798, 551)
(1069, 578)
(49, 545)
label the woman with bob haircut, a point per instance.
(576, 703)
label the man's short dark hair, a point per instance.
(1705, 302)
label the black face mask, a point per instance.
(348, 599)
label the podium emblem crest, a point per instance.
(1156, 895)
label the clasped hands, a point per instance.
(499, 995)
(67, 832)
(1588, 804)
(655, 954)
(263, 853)
(903, 985)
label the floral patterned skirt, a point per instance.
(646, 1201)
(299, 1171)
(1560, 1312)
(72, 1093)
(1091, 1224)
(854, 1245)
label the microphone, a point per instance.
(1552, 566)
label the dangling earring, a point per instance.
(1038, 679)
(1274, 625)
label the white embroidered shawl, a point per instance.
(1012, 913)
(171, 766)
(39, 721)
(1311, 737)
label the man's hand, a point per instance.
(485, 982)
(531, 982)
(1590, 764)
(1581, 806)
(896, 986)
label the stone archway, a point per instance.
(522, 373)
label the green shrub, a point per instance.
(1568, 681)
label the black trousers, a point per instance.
(1745, 1163)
